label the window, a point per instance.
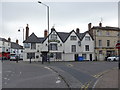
(87, 38)
(100, 52)
(58, 56)
(84, 56)
(86, 47)
(27, 45)
(108, 43)
(73, 38)
(33, 45)
(31, 55)
(53, 36)
(99, 32)
(100, 43)
(73, 48)
(53, 47)
(107, 33)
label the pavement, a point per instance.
(108, 80)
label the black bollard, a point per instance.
(30, 59)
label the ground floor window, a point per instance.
(84, 56)
(31, 55)
(58, 56)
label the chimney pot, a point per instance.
(17, 41)
(45, 33)
(77, 30)
(100, 24)
(89, 26)
(9, 39)
(27, 31)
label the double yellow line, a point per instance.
(85, 86)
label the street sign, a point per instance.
(118, 45)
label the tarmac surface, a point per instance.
(81, 75)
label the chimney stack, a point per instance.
(89, 26)
(100, 24)
(77, 30)
(45, 33)
(27, 31)
(17, 41)
(9, 39)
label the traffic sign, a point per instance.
(118, 45)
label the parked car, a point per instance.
(113, 58)
(13, 57)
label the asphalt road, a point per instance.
(53, 75)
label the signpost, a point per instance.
(118, 47)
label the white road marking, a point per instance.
(5, 78)
(96, 82)
(58, 81)
(20, 72)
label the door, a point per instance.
(90, 57)
(44, 56)
(76, 57)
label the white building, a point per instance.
(5, 48)
(62, 46)
(16, 49)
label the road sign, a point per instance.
(118, 45)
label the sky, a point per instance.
(64, 16)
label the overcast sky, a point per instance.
(65, 16)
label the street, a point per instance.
(54, 75)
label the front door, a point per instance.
(44, 56)
(76, 57)
(90, 57)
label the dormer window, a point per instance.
(87, 38)
(73, 38)
(53, 36)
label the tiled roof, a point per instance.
(16, 46)
(3, 39)
(32, 39)
(63, 35)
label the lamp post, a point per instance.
(47, 22)
(21, 28)
(23, 31)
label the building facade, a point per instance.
(5, 48)
(63, 46)
(105, 41)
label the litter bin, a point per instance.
(80, 58)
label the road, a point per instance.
(53, 75)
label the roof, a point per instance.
(16, 46)
(32, 39)
(63, 36)
(106, 28)
(3, 39)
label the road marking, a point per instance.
(96, 82)
(70, 65)
(5, 78)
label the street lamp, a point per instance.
(48, 22)
(23, 31)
